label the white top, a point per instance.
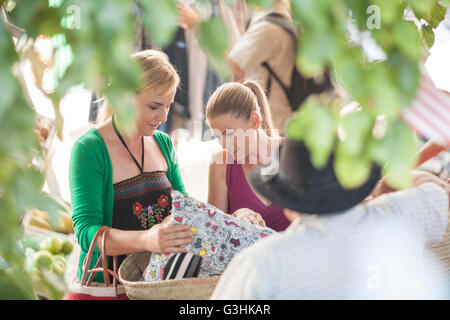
(267, 42)
(372, 251)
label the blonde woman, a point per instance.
(239, 116)
(124, 180)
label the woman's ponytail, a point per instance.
(263, 104)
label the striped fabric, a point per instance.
(429, 112)
(182, 265)
(141, 184)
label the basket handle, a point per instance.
(101, 232)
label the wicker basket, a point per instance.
(131, 270)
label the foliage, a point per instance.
(93, 39)
(382, 88)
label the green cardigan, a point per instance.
(91, 187)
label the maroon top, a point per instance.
(240, 195)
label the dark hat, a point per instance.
(299, 186)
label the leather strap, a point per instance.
(101, 233)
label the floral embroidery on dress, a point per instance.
(137, 209)
(163, 201)
(152, 214)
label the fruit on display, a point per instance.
(43, 259)
(47, 243)
(46, 253)
(41, 219)
(58, 266)
(52, 244)
(67, 247)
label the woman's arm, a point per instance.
(217, 184)
(86, 185)
(218, 191)
(428, 151)
(161, 238)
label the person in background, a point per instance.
(262, 41)
(267, 42)
(239, 115)
(124, 179)
(342, 248)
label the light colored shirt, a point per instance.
(372, 251)
(267, 42)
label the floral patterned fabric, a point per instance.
(151, 214)
(141, 202)
(217, 237)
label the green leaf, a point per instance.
(314, 52)
(407, 38)
(430, 10)
(390, 10)
(428, 35)
(316, 125)
(405, 73)
(295, 127)
(161, 20)
(261, 3)
(384, 38)
(436, 15)
(312, 14)
(358, 10)
(26, 187)
(37, 18)
(17, 124)
(9, 90)
(352, 171)
(63, 55)
(53, 205)
(421, 7)
(350, 72)
(357, 127)
(384, 93)
(16, 285)
(215, 46)
(398, 151)
(123, 104)
(9, 5)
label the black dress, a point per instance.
(142, 201)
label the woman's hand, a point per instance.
(188, 17)
(250, 216)
(382, 187)
(418, 177)
(167, 219)
(166, 238)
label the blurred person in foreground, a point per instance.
(338, 246)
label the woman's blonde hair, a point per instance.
(159, 76)
(240, 100)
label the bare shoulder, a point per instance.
(218, 163)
